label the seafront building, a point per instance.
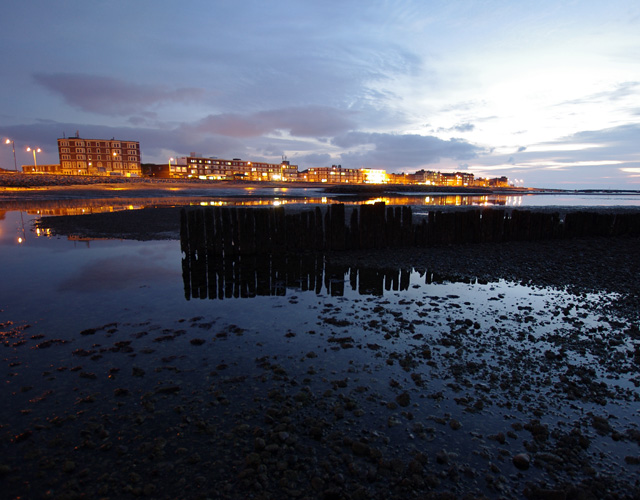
(112, 157)
(334, 174)
(195, 166)
(80, 156)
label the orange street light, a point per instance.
(35, 150)
(13, 147)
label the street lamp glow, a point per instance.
(34, 150)
(13, 147)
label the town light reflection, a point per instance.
(43, 208)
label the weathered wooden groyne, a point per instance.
(230, 231)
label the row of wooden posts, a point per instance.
(233, 231)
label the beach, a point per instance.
(493, 370)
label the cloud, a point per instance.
(462, 127)
(623, 135)
(393, 151)
(618, 92)
(115, 273)
(313, 160)
(521, 149)
(110, 96)
(310, 121)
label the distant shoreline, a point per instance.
(11, 181)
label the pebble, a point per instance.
(522, 461)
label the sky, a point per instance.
(546, 93)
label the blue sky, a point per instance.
(546, 93)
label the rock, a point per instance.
(454, 424)
(403, 399)
(360, 449)
(522, 461)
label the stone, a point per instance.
(522, 461)
(403, 399)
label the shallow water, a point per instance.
(112, 364)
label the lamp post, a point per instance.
(13, 147)
(35, 163)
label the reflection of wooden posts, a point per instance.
(353, 278)
(307, 271)
(278, 275)
(184, 247)
(370, 282)
(263, 275)
(391, 280)
(292, 271)
(334, 279)
(318, 230)
(212, 275)
(228, 277)
(405, 279)
(197, 252)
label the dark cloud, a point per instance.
(627, 136)
(311, 121)
(154, 142)
(110, 96)
(393, 151)
(313, 160)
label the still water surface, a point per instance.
(480, 355)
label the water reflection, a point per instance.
(209, 276)
(81, 206)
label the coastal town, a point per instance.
(122, 158)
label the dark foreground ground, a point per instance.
(385, 398)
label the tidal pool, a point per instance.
(128, 374)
